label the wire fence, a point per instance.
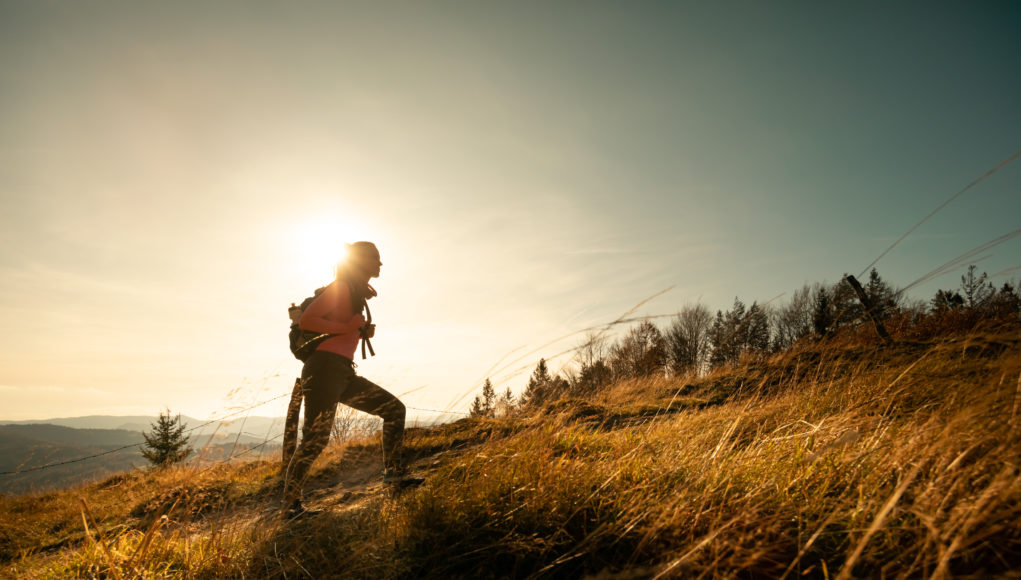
(626, 318)
(999, 166)
(191, 430)
(140, 444)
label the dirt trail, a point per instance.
(345, 483)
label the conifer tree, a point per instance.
(1006, 302)
(718, 339)
(880, 295)
(590, 378)
(976, 290)
(844, 305)
(822, 316)
(489, 395)
(166, 444)
(756, 329)
(537, 391)
(946, 300)
(729, 333)
(484, 404)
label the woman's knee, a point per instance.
(393, 410)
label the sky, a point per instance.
(174, 174)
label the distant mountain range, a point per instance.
(257, 427)
(58, 444)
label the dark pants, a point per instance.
(291, 422)
(328, 379)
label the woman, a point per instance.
(328, 376)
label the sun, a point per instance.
(318, 245)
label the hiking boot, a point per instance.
(298, 511)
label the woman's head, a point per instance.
(362, 261)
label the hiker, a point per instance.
(328, 376)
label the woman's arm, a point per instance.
(336, 299)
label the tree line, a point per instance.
(696, 341)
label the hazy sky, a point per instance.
(174, 174)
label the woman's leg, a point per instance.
(368, 397)
(324, 378)
(291, 422)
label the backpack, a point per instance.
(304, 342)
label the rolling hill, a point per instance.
(39, 456)
(835, 459)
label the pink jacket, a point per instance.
(331, 312)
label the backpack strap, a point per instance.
(365, 339)
(362, 295)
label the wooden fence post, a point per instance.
(870, 309)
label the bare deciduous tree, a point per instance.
(351, 424)
(687, 340)
(793, 321)
(641, 352)
(592, 349)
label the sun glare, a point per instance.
(319, 245)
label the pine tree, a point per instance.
(484, 404)
(757, 329)
(591, 377)
(946, 300)
(537, 391)
(822, 315)
(976, 290)
(1006, 302)
(166, 444)
(478, 408)
(880, 295)
(718, 339)
(489, 395)
(729, 334)
(845, 307)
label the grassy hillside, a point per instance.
(832, 460)
(25, 447)
(42, 457)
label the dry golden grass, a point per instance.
(838, 460)
(130, 524)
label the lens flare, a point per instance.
(320, 243)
